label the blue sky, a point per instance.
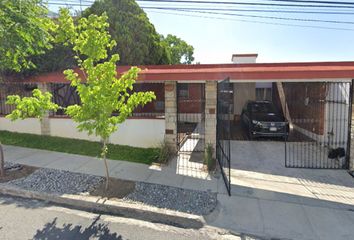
(215, 40)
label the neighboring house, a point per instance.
(308, 93)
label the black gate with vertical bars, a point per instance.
(320, 114)
(190, 117)
(223, 131)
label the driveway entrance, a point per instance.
(260, 165)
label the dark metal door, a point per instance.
(223, 133)
(320, 114)
(190, 117)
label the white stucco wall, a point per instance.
(244, 59)
(65, 127)
(133, 132)
(30, 125)
(140, 133)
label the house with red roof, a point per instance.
(315, 99)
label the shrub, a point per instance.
(209, 161)
(164, 153)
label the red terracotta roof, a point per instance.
(254, 71)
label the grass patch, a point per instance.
(81, 147)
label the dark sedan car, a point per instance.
(262, 119)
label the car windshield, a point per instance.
(263, 108)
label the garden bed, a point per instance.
(161, 196)
(81, 147)
(59, 182)
(15, 171)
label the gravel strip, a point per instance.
(60, 182)
(11, 165)
(183, 200)
(57, 182)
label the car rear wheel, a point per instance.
(250, 135)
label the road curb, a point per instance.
(106, 206)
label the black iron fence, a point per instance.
(320, 116)
(190, 117)
(223, 134)
(65, 95)
(6, 89)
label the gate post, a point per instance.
(210, 113)
(45, 123)
(171, 114)
(351, 159)
(351, 156)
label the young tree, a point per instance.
(26, 107)
(24, 31)
(106, 99)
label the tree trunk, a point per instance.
(2, 161)
(104, 157)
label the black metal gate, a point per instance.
(190, 117)
(223, 133)
(320, 124)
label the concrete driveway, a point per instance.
(261, 165)
(275, 202)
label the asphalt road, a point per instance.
(31, 219)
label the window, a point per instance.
(183, 90)
(159, 105)
(263, 94)
(263, 108)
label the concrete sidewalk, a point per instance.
(250, 210)
(179, 173)
(282, 220)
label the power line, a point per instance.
(87, 2)
(247, 10)
(313, 1)
(266, 17)
(252, 21)
(247, 3)
(286, 1)
(69, 4)
(251, 16)
(58, 2)
(202, 11)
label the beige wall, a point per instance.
(140, 133)
(65, 127)
(242, 93)
(30, 125)
(133, 132)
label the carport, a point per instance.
(311, 120)
(314, 161)
(315, 98)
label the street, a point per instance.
(32, 219)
